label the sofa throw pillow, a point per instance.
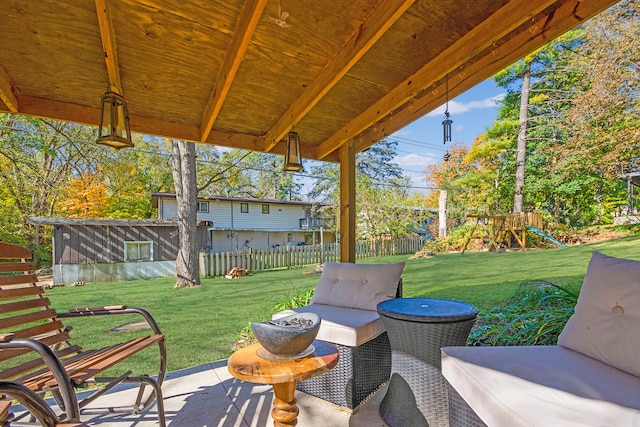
(360, 286)
(606, 321)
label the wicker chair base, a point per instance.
(460, 413)
(359, 373)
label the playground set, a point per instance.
(504, 231)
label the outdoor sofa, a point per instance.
(345, 298)
(591, 378)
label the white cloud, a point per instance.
(456, 107)
(413, 165)
(416, 161)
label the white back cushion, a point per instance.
(606, 323)
(360, 286)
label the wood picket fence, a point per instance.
(219, 263)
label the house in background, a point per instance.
(238, 224)
(109, 250)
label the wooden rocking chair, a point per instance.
(28, 325)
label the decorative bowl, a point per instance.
(288, 337)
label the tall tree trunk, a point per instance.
(522, 140)
(183, 167)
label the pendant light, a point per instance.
(292, 157)
(114, 122)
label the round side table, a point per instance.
(418, 328)
(246, 365)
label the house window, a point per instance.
(138, 251)
(244, 207)
(203, 207)
(265, 209)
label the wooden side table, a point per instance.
(246, 365)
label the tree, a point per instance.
(522, 139)
(383, 205)
(603, 126)
(183, 168)
(570, 194)
(84, 197)
(37, 158)
(445, 176)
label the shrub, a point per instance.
(294, 302)
(535, 315)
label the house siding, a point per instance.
(96, 244)
(231, 230)
(227, 215)
(96, 252)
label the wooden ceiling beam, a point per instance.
(498, 25)
(46, 108)
(6, 92)
(540, 32)
(247, 23)
(385, 14)
(105, 22)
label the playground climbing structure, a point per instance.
(504, 231)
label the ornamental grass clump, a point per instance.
(535, 315)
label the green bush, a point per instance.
(294, 302)
(535, 315)
(454, 242)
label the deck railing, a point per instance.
(218, 264)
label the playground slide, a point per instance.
(546, 236)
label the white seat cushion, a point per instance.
(541, 386)
(340, 325)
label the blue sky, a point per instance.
(420, 143)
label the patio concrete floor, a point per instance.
(207, 395)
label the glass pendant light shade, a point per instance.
(114, 122)
(292, 157)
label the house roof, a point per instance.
(41, 220)
(156, 196)
(236, 73)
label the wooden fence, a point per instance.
(218, 264)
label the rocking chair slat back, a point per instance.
(26, 317)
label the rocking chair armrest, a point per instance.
(114, 309)
(7, 337)
(100, 308)
(54, 365)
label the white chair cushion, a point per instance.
(360, 286)
(541, 386)
(340, 325)
(606, 323)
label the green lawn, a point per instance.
(200, 324)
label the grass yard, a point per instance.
(201, 324)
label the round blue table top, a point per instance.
(427, 310)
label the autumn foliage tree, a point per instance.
(445, 176)
(84, 197)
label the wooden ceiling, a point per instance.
(225, 73)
